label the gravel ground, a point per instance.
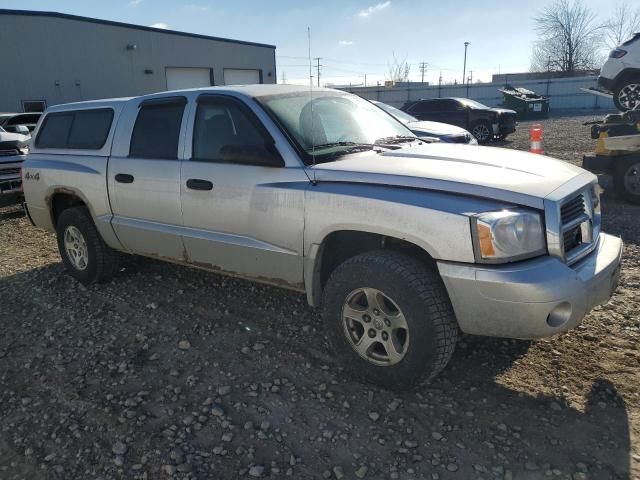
(171, 372)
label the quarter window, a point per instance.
(55, 130)
(156, 133)
(78, 130)
(90, 129)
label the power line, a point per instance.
(423, 69)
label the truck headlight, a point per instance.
(507, 236)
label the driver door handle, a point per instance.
(199, 184)
(124, 178)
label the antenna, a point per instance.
(313, 140)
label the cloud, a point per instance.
(194, 7)
(345, 42)
(373, 9)
(162, 25)
(134, 3)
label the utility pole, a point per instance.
(464, 69)
(317, 59)
(365, 79)
(284, 78)
(423, 69)
(439, 84)
(470, 76)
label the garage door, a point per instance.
(178, 78)
(237, 76)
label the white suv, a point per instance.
(620, 74)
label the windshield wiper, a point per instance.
(395, 139)
(350, 145)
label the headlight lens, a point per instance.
(508, 235)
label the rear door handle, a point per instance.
(199, 184)
(124, 178)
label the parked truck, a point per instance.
(401, 244)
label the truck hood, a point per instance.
(502, 174)
(8, 139)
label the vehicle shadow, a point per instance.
(469, 422)
(532, 435)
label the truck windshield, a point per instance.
(329, 123)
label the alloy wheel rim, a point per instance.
(76, 248)
(375, 327)
(629, 96)
(481, 132)
(632, 179)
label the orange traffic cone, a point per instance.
(536, 139)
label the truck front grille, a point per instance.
(7, 152)
(572, 209)
(577, 225)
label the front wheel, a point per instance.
(482, 131)
(389, 319)
(626, 96)
(626, 178)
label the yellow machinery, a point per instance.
(618, 153)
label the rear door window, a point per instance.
(55, 130)
(156, 133)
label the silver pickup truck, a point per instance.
(401, 243)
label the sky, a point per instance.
(353, 38)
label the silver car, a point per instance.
(402, 244)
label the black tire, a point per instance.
(626, 94)
(624, 186)
(419, 293)
(102, 262)
(483, 131)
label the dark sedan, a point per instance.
(483, 122)
(424, 129)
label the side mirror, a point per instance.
(260, 156)
(22, 130)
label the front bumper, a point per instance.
(606, 83)
(10, 184)
(10, 180)
(532, 299)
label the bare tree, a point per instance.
(624, 22)
(568, 38)
(398, 70)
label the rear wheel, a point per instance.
(84, 253)
(626, 96)
(482, 131)
(389, 319)
(626, 178)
